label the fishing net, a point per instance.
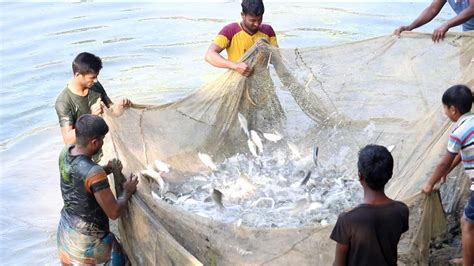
(385, 90)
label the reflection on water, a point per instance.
(152, 52)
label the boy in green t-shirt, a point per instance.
(83, 95)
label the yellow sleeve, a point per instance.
(273, 41)
(221, 41)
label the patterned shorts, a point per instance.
(77, 248)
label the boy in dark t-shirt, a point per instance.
(369, 233)
(83, 236)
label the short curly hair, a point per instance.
(375, 165)
(86, 63)
(253, 7)
(89, 127)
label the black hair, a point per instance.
(459, 96)
(375, 165)
(89, 127)
(252, 7)
(86, 63)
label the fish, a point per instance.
(162, 166)
(294, 149)
(170, 197)
(260, 202)
(257, 140)
(207, 160)
(272, 137)
(217, 197)
(183, 198)
(315, 155)
(305, 179)
(252, 147)
(243, 124)
(150, 172)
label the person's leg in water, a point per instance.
(467, 229)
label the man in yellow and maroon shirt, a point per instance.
(237, 38)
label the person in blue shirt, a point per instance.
(465, 16)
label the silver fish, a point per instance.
(162, 166)
(170, 197)
(150, 172)
(243, 123)
(315, 155)
(272, 137)
(260, 202)
(294, 149)
(252, 147)
(257, 140)
(207, 160)
(217, 197)
(305, 179)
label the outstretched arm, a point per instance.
(465, 15)
(426, 16)
(114, 207)
(442, 169)
(214, 58)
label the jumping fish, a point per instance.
(257, 140)
(272, 137)
(161, 166)
(217, 197)
(150, 172)
(305, 179)
(207, 160)
(252, 147)
(243, 123)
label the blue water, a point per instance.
(152, 53)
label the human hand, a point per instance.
(400, 29)
(98, 107)
(125, 102)
(111, 164)
(438, 33)
(427, 189)
(243, 69)
(130, 184)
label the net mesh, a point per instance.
(385, 90)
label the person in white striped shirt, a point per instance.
(457, 103)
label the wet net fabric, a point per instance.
(385, 90)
